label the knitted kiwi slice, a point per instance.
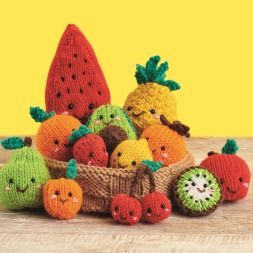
(197, 192)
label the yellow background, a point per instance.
(208, 44)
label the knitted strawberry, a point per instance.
(231, 170)
(75, 84)
(88, 148)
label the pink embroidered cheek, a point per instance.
(56, 150)
(117, 118)
(246, 185)
(75, 200)
(7, 189)
(97, 122)
(156, 116)
(54, 196)
(65, 113)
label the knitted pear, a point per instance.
(153, 97)
(75, 83)
(22, 177)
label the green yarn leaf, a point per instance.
(230, 147)
(152, 73)
(71, 169)
(40, 115)
(77, 134)
(154, 166)
(13, 143)
(129, 121)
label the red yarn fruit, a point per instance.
(232, 171)
(125, 209)
(155, 207)
(75, 84)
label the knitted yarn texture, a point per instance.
(75, 83)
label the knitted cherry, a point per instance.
(232, 171)
(126, 209)
(75, 83)
(155, 206)
(88, 148)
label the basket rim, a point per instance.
(56, 164)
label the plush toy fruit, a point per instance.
(232, 171)
(153, 97)
(88, 148)
(167, 141)
(22, 177)
(52, 136)
(113, 136)
(126, 209)
(75, 83)
(197, 192)
(63, 197)
(111, 115)
(130, 154)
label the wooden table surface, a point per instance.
(228, 229)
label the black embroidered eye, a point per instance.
(240, 179)
(163, 148)
(197, 175)
(56, 142)
(193, 183)
(81, 91)
(222, 181)
(112, 116)
(149, 210)
(131, 213)
(58, 94)
(119, 154)
(11, 181)
(205, 185)
(133, 163)
(57, 193)
(91, 106)
(129, 108)
(70, 194)
(91, 154)
(101, 117)
(70, 106)
(152, 111)
(163, 206)
(33, 180)
(62, 79)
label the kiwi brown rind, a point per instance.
(205, 202)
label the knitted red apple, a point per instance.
(75, 84)
(88, 148)
(231, 170)
(126, 209)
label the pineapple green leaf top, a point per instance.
(79, 133)
(230, 147)
(71, 169)
(153, 166)
(154, 73)
(40, 115)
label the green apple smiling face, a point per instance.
(21, 179)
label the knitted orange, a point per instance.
(52, 137)
(75, 84)
(166, 141)
(62, 197)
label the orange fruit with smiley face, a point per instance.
(63, 197)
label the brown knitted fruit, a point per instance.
(113, 135)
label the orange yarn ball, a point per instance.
(167, 145)
(52, 137)
(62, 198)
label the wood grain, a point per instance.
(229, 229)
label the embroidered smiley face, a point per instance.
(62, 198)
(197, 191)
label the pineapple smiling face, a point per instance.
(153, 96)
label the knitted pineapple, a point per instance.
(167, 142)
(63, 197)
(111, 115)
(89, 148)
(153, 96)
(130, 154)
(75, 83)
(22, 177)
(232, 171)
(52, 137)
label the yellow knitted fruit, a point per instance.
(130, 153)
(153, 97)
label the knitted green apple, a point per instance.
(22, 177)
(75, 83)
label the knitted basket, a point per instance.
(101, 184)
